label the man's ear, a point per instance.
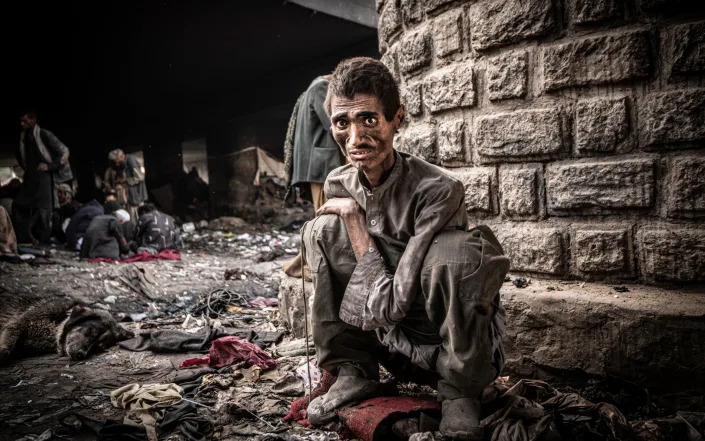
(399, 117)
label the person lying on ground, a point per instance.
(398, 278)
(105, 237)
(155, 232)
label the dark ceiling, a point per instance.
(130, 71)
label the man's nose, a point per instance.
(356, 135)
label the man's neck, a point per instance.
(377, 177)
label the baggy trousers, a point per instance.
(457, 314)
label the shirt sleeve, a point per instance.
(374, 296)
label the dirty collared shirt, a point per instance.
(403, 214)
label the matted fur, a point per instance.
(31, 325)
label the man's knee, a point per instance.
(323, 232)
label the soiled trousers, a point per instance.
(457, 319)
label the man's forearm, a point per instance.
(357, 231)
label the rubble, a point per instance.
(228, 287)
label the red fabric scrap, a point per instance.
(141, 257)
(297, 411)
(228, 350)
(362, 421)
(263, 302)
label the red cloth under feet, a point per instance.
(297, 411)
(141, 257)
(228, 350)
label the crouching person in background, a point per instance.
(155, 231)
(105, 236)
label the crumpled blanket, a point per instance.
(228, 350)
(144, 405)
(141, 257)
(532, 409)
(171, 340)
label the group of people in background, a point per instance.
(45, 212)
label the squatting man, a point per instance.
(398, 278)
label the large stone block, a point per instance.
(420, 140)
(519, 135)
(448, 33)
(451, 140)
(595, 187)
(597, 60)
(389, 59)
(415, 51)
(389, 24)
(432, 5)
(480, 189)
(497, 23)
(591, 11)
(449, 88)
(601, 124)
(507, 76)
(670, 118)
(411, 98)
(685, 45)
(601, 251)
(686, 187)
(411, 11)
(520, 191)
(532, 248)
(649, 336)
(672, 253)
(291, 305)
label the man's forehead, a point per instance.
(360, 102)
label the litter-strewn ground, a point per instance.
(226, 282)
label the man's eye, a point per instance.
(341, 124)
(370, 121)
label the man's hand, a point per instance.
(343, 207)
(354, 218)
(42, 167)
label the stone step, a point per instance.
(555, 329)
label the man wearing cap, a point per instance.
(62, 215)
(128, 175)
(44, 159)
(399, 279)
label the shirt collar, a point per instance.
(396, 172)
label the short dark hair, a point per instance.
(110, 207)
(145, 208)
(364, 75)
(29, 112)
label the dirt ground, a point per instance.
(51, 397)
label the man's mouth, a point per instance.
(360, 153)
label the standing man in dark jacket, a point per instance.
(315, 152)
(44, 159)
(129, 172)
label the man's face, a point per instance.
(27, 122)
(64, 197)
(360, 128)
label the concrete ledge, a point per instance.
(648, 335)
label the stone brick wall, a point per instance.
(577, 126)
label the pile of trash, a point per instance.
(232, 235)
